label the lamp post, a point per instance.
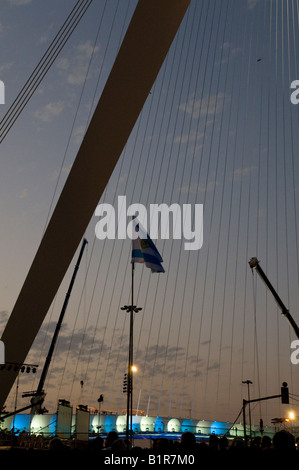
(100, 400)
(248, 382)
(130, 309)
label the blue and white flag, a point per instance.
(144, 251)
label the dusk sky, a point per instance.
(217, 129)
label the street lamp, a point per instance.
(100, 400)
(130, 309)
(292, 417)
(248, 382)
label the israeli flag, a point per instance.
(144, 251)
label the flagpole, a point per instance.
(147, 253)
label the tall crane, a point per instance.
(254, 264)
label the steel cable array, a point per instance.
(43, 66)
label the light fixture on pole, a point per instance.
(248, 382)
(100, 400)
(130, 309)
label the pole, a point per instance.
(249, 410)
(131, 365)
(130, 372)
(248, 382)
(100, 400)
(130, 309)
(16, 400)
(244, 421)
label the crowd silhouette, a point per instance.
(114, 449)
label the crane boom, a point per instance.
(254, 264)
(39, 394)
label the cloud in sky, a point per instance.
(193, 136)
(251, 4)
(46, 36)
(23, 194)
(239, 173)
(5, 66)
(75, 68)
(198, 188)
(157, 351)
(19, 2)
(207, 106)
(82, 340)
(50, 111)
(78, 134)
(215, 365)
(229, 51)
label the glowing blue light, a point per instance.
(110, 423)
(219, 427)
(188, 425)
(159, 425)
(20, 423)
